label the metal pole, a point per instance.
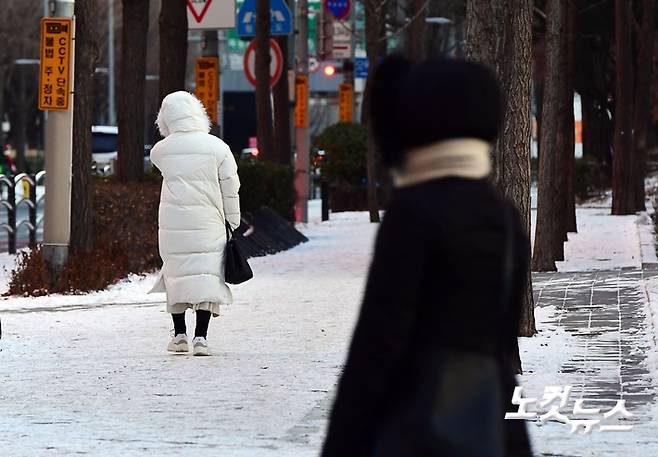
(11, 217)
(223, 63)
(324, 195)
(33, 211)
(302, 176)
(58, 145)
(111, 107)
(353, 57)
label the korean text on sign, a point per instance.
(301, 107)
(207, 77)
(55, 74)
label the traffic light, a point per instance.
(329, 70)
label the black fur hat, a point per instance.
(414, 105)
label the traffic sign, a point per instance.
(206, 90)
(341, 47)
(276, 62)
(301, 104)
(280, 18)
(313, 64)
(361, 67)
(55, 68)
(342, 50)
(345, 95)
(210, 14)
(339, 8)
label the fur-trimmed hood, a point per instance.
(182, 112)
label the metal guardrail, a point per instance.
(10, 203)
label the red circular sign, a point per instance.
(276, 63)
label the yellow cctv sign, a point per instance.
(55, 74)
(345, 97)
(301, 107)
(207, 77)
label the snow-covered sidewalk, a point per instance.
(596, 333)
(77, 376)
(89, 374)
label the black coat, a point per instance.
(434, 284)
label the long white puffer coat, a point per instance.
(200, 189)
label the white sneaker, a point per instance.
(178, 343)
(200, 346)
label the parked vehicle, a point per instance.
(104, 146)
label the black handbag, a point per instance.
(457, 408)
(236, 267)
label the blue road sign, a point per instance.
(361, 67)
(339, 8)
(280, 22)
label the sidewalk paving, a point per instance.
(88, 375)
(598, 327)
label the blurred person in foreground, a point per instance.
(199, 196)
(429, 370)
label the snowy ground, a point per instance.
(88, 374)
(78, 374)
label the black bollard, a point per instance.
(324, 196)
(11, 217)
(33, 211)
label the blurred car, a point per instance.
(104, 144)
(104, 147)
(247, 153)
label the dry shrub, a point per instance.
(126, 242)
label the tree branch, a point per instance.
(540, 13)
(591, 7)
(407, 24)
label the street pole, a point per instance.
(111, 108)
(353, 56)
(210, 48)
(302, 177)
(223, 63)
(58, 146)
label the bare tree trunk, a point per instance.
(501, 37)
(569, 121)
(86, 55)
(263, 102)
(19, 121)
(641, 119)
(173, 46)
(484, 32)
(514, 144)
(549, 229)
(560, 137)
(590, 146)
(374, 26)
(623, 188)
(415, 32)
(282, 132)
(596, 136)
(132, 85)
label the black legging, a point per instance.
(202, 321)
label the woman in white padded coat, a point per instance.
(199, 192)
